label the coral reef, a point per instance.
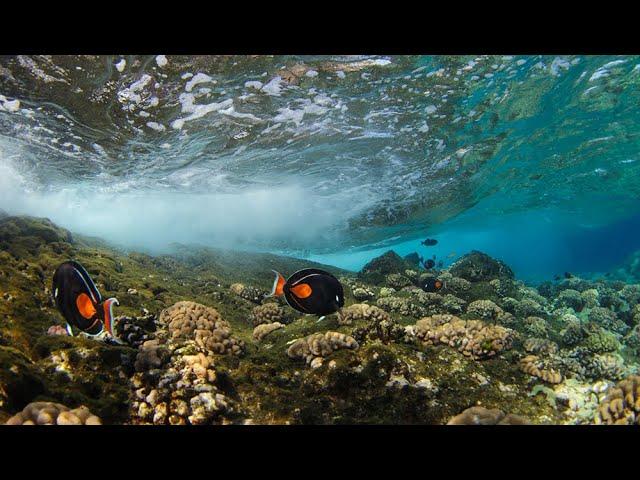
(264, 329)
(622, 405)
(473, 338)
(199, 346)
(535, 366)
(486, 416)
(51, 413)
(477, 266)
(186, 320)
(315, 347)
(269, 312)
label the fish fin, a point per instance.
(108, 315)
(278, 285)
(321, 318)
(69, 330)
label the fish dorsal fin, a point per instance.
(278, 285)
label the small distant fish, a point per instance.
(310, 291)
(432, 285)
(452, 254)
(568, 275)
(429, 242)
(80, 302)
(429, 264)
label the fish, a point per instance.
(429, 264)
(432, 285)
(452, 254)
(310, 291)
(79, 300)
(429, 242)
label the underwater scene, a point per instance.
(319, 239)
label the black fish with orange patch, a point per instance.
(432, 285)
(310, 291)
(79, 300)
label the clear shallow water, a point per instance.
(533, 159)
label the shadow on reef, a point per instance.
(203, 345)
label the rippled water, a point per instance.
(526, 157)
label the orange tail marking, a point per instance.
(278, 285)
(85, 306)
(302, 291)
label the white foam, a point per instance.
(158, 127)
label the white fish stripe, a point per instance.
(306, 276)
(95, 288)
(87, 285)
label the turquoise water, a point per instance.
(532, 159)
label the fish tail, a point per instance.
(278, 285)
(69, 330)
(108, 314)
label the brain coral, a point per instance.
(485, 416)
(50, 413)
(473, 338)
(320, 345)
(193, 321)
(622, 405)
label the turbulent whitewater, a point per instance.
(331, 157)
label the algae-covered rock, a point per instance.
(20, 380)
(376, 270)
(477, 266)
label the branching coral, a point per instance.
(50, 413)
(473, 338)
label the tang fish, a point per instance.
(429, 242)
(310, 291)
(432, 285)
(80, 302)
(429, 264)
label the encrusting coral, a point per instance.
(51, 413)
(485, 416)
(473, 338)
(265, 329)
(314, 347)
